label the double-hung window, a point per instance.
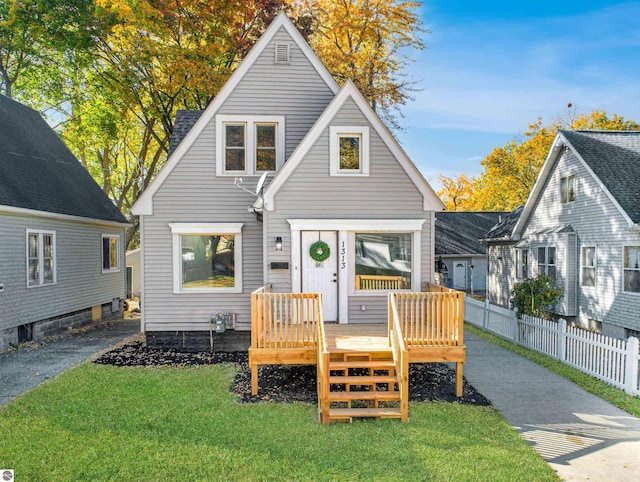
(632, 269)
(110, 249)
(41, 258)
(522, 262)
(249, 145)
(547, 261)
(567, 189)
(207, 257)
(588, 266)
(349, 150)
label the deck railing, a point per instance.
(284, 320)
(400, 356)
(433, 318)
(322, 373)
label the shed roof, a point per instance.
(460, 232)
(38, 172)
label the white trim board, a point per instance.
(431, 201)
(144, 205)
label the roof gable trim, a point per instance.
(144, 205)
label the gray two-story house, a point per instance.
(331, 176)
(61, 238)
(581, 226)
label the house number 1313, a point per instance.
(343, 252)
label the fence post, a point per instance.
(631, 371)
(562, 333)
(485, 314)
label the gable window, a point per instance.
(249, 145)
(522, 262)
(383, 261)
(110, 245)
(632, 269)
(41, 258)
(547, 261)
(207, 257)
(234, 147)
(349, 150)
(588, 268)
(567, 189)
(266, 147)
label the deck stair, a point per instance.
(363, 385)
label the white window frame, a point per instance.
(40, 233)
(211, 229)
(625, 269)
(110, 269)
(519, 264)
(564, 179)
(583, 266)
(250, 144)
(546, 261)
(335, 133)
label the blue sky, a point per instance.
(492, 67)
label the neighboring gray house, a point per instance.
(206, 244)
(501, 272)
(61, 238)
(459, 252)
(581, 226)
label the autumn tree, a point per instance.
(455, 193)
(509, 172)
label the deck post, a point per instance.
(254, 379)
(459, 366)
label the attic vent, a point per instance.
(282, 54)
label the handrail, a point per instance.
(283, 320)
(322, 366)
(400, 356)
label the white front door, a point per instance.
(460, 275)
(321, 276)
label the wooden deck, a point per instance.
(363, 369)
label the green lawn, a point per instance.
(609, 393)
(106, 423)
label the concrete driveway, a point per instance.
(25, 368)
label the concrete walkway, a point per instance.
(25, 368)
(580, 435)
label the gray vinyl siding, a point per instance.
(597, 222)
(294, 90)
(80, 281)
(479, 272)
(311, 193)
(192, 193)
(501, 274)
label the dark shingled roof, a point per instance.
(37, 170)
(460, 232)
(504, 229)
(614, 156)
(185, 119)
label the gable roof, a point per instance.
(503, 230)
(39, 173)
(613, 160)
(460, 232)
(144, 205)
(431, 201)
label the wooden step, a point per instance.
(363, 380)
(380, 365)
(368, 395)
(347, 413)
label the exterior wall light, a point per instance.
(278, 243)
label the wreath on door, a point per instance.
(319, 251)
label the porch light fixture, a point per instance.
(278, 243)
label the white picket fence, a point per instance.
(611, 360)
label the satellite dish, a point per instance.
(261, 182)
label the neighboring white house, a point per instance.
(61, 238)
(460, 254)
(133, 273)
(581, 226)
(335, 174)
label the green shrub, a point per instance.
(536, 297)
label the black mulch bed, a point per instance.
(290, 383)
